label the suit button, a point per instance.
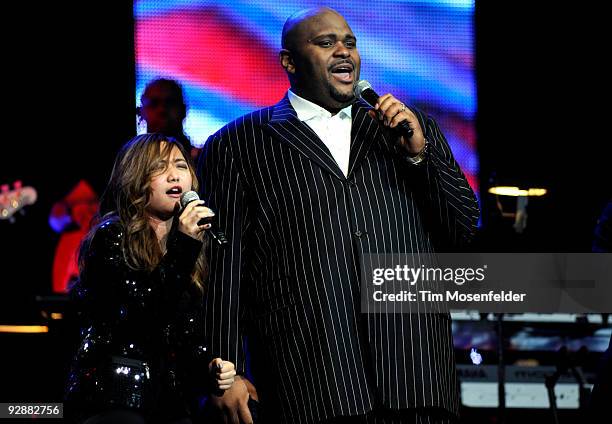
(358, 233)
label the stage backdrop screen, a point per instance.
(225, 54)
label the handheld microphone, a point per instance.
(218, 236)
(363, 90)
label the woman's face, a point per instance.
(171, 177)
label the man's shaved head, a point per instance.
(319, 54)
(295, 22)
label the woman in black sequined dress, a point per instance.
(142, 356)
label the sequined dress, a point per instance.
(141, 344)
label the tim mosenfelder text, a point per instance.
(458, 276)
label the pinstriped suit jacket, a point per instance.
(289, 277)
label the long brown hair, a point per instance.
(127, 196)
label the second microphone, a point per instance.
(218, 236)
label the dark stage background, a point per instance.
(69, 104)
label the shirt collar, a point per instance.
(307, 110)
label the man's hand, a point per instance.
(391, 112)
(233, 402)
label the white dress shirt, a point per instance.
(334, 131)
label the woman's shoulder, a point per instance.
(109, 229)
(107, 235)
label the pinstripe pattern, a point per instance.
(393, 417)
(289, 277)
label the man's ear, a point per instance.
(286, 61)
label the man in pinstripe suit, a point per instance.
(304, 189)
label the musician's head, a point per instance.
(163, 107)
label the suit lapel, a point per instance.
(364, 132)
(285, 125)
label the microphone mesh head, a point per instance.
(188, 196)
(360, 87)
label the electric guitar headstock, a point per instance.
(13, 201)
